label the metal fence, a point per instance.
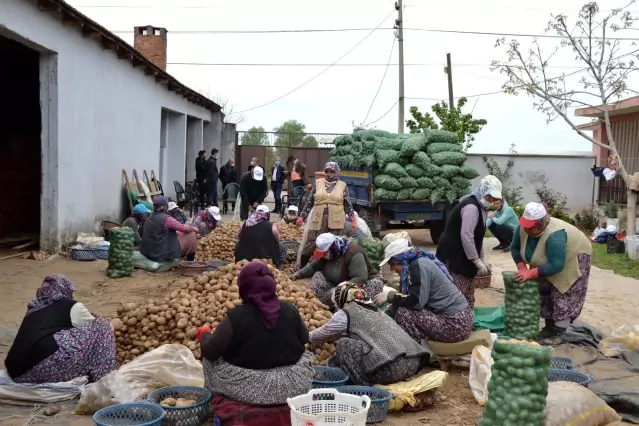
(289, 140)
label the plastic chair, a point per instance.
(231, 191)
(180, 194)
(293, 200)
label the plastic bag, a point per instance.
(140, 261)
(389, 238)
(238, 206)
(481, 361)
(307, 227)
(168, 365)
(442, 136)
(404, 392)
(622, 339)
(571, 404)
(395, 170)
(46, 392)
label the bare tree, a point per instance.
(228, 110)
(607, 63)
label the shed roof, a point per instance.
(71, 17)
(625, 106)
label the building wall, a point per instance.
(570, 175)
(102, 115)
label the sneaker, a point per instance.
(507, 248)
(499, 247)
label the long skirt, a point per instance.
(188, 243)
(467, 287)
(232, 413)
(324, 289)
(259, 387)
(309, 245)
(565, 307)
(87, 350)
(423, 324)
(349, 355)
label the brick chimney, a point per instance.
(151, 42)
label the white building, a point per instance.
(79, 106)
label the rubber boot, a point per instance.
(548, 329)
(190, 257)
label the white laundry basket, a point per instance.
(632, 247)
(328, 407)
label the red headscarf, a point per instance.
(257, 286)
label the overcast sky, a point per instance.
(343, 94)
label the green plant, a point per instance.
(555, 200)
(589, 218)
(561, 215)
(519, 210)
(510, 192)
(611, 210)
(623, 222)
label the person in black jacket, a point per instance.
(253, 190)
(200, 175)
(278, 175)
(212, 175)
(228, 175)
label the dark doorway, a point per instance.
(20, 147)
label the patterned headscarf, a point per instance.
(160, 204)
(258, 216)
(54, 287)
(407, 257)
(258, 287)
(331, 244)
(348, 292)
(332, 180)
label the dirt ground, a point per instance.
(611, 302)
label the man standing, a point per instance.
(254, 163)
(502, 223)
(200, 175)
(211, 177)
(228, 175)
(253, 190)
(277, 181)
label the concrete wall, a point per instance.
(176, 153)
(194, 144)
(100, 115)
(569, 174)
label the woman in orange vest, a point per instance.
(325, 210)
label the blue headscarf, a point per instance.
(407, 257)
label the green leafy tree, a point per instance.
(255, 136)
(293, 133)
(449, 119)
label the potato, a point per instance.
(169, 402)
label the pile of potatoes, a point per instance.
(219, 244)
(205, 300)
(290, 232)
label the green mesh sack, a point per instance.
(420, 194)
(346, 161)
(368, 147)
(404, 194)
(443, 136)
(386, 156)
(450, 158)
(468, 172)
(414, 171)
(432, 170)
(408, 182)
(451, 194)
(384, 194)
(518, 385)
(120, 253)
(522, 308)
(395, 170)
(441, 183)
(387, 182)
(461, 182)
(343, 140)
(436, 195)
(449, 171)
(421, 160)
(343, 150)
(411, 146)
(425, 183)
(438, 147)
(367, 161)
(373, 134)
(389, 143)
(356, 146)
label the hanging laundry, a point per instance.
(609, 174)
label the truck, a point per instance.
(382, 214)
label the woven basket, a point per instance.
(193, 415)
(216, 263)
(102, 253)
(328, 377)
(141, 414)
(380, 400)
(192, 269)
(561, 363)
(483, 282)
(561, 375)
(83, 254)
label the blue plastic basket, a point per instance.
(328, 377)
(138, 414)
(561, 363)
(380, 399)
(193, 415)
(102, 253)
(83, 254)
(216, 263)
(561, 375)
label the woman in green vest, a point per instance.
(558, 256)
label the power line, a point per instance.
(321, 72)
(381, 83)
(385, 114)
(246, 64)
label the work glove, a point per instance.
(309, 186)
(521, 266)
(353, 224)
(383, 296)
(299, 221)
(295, 277)
(529, 274)
(201, 331)
(482, 269)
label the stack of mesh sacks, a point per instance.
(425, 166)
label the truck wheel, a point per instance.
(436, 230)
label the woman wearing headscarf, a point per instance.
(59, 339)
(559, 257)
(207, 220)
(136, 222)
(461, 246)
(371, 347)
(429, 305)
(177, 213)
(258, 238)
(256, 355)
(337, 260)
(166, 239)
(326, 210)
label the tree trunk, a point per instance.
(632, 212)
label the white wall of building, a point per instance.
(103, 116)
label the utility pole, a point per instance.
(399, 32)
(449, 71)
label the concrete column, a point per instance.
(164, 143)
(176, 155)
(194, 134)
(227, 147)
